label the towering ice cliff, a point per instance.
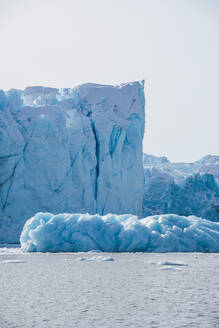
(70, 150)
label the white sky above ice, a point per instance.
(172, 44)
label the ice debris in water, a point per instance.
(11, 261)
(167, 263)
(46, 232)
(172, 263)
(96, 258)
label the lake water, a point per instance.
(83, 290)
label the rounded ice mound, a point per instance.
(46, 232)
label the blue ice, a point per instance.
(46, 232)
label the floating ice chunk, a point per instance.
(151, 262)
(167, 263)
(46, 232)
(12, 261)
(172, 263)
(96, 258)
(93, 251)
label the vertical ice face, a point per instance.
(70, 150)
(117, 120)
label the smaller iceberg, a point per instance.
(46, 232)
(96, 259)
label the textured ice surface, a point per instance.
(70, 150)
(46, 232)
(181, 188)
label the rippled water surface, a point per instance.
(91, 290)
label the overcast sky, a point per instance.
(172, 44)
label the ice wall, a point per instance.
(70, 150)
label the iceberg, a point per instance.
(70, 150)
(46, 232)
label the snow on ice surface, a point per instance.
(70, 150)
(46, 232)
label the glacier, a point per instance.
(180, 170)
(46, 232)
(181, 188)
(70, 150)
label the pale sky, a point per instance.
(172, 44)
